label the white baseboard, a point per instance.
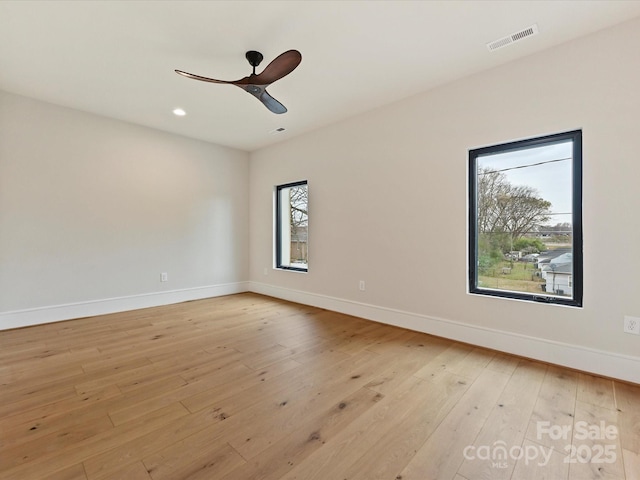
(56, 313)
(623, 367)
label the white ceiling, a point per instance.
(118, 58)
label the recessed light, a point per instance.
(179, 112)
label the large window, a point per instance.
(525, 219)
(292, 226)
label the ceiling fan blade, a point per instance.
(205, 79)
(271, 103)
(260, 92)
(282, 65)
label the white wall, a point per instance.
(393, 185)
(94, 209)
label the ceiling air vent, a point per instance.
(514, 37)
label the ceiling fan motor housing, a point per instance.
(254, 58)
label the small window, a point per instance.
(525, 219)
(292, 226)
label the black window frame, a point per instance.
(278, 227)
(577, 235)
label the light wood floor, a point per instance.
(248, 387)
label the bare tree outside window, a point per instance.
(292, 226)
(299, 221)
(504, 208)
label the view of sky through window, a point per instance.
(547, 169)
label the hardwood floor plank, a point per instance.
(596, 391)
(363, 433)
(137, 448)
(45, 465)
(216, 364)
(123, 374)
(303, 340)
(289, 409)
(54, 417)
(550, 465)
(194, 457)
(240, 386)
(631, 462)
(312, 434)
(380, 443)
(135, 471)
(588, 458)
(506, 425)
(231, 359)
(472, 365)
(31, 399)
(503, 363)
(262, 358)
(398, 447)
(555, 408)
(53, 442)
(402, 367)
(628, 407)
(302, 377)
(132, 400)
(75, 472)
(41, 371)
(323, 353)
(445, 361)
(442, 454)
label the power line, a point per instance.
(535, 232)
(525, 166)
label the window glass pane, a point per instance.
(292, 224)
(525, 221)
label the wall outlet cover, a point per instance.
(632, 325)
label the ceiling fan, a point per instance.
(257, 85)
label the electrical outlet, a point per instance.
(361, 285)
(632, 325)
(164, 277)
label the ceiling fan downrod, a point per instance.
(254, 59)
